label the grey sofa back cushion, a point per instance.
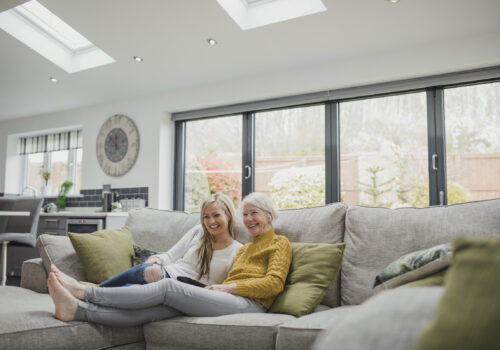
(59, 251)
(375, 237)
(159, 230)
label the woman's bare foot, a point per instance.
(73, 286)
(64, 302)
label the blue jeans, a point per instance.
(134, 275)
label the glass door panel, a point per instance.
(213, 160)
(472, 120)
(384, 151)
(290, 156)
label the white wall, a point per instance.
(155, 130)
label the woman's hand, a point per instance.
(228, 288)
(153, 260)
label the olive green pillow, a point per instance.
(314, 268)
(104, 253)
(468, 314)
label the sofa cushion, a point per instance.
(376, 236)
(104, 253)
(34, 276)
(301, 332)
(28, 322)
(159, 230)
(59, 251)
(315, 225)
(468, 315)
(314, 268)
(414, 266)
(392, 319)
(238, 331)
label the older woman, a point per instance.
(258, 275)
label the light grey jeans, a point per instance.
(138, 304)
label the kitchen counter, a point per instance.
(89, 213)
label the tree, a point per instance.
(375, 189)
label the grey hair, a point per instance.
(263, 202)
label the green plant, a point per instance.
(374, 189)
(419, 195)
(61, 197)
(298, 187)
(45, 174)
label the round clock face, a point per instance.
(117, 145)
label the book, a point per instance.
(191, 281)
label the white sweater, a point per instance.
(182, 258)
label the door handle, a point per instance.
(434, 162)
(248, 170)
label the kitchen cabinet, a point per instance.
(52, 225)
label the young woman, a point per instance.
(205, 253)
(258, 275)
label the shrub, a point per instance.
(298, 187)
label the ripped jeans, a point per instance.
(133, 275)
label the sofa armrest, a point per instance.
(34, 276)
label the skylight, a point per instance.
(256, 13)
(41, 30)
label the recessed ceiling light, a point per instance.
(211, 41)
(138, 59)
(52, 79)
(393, 1)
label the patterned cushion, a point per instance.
(413, 261)
(141, 254)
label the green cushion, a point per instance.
(468, 314)
(314, 268)
(104, 253)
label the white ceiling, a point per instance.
(171, 37)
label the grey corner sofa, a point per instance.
(349, 315)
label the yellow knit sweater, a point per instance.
(260, 267)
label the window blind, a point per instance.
(50, 142)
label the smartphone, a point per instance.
(191, 281)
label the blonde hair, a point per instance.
(206, 250)
(263, 202)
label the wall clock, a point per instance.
(117, 145)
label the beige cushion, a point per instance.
(377, 236)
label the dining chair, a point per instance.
(18, 229)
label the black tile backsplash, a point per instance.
(92, 197)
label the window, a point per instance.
(416, 142)
(58, 155)
(290, 156)
(384, 151)
(472, 115)
(213, 160)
